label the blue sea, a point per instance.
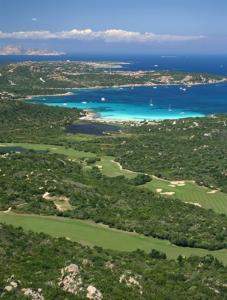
(139, 103)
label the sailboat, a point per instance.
(170, 108)
(103, 99)
(151, 103)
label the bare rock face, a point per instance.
(12, 284)
(109, 265)
(93, 293)
(33, 294)
(70, 280)
(130, 280)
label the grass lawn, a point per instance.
(89, 233)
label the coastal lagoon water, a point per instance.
(150, 103)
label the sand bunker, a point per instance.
(61, 203)
(194, 203)
(168, 193)
(212, 192)
(178, 183)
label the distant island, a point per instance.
(14, 50)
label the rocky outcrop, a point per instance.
(109, 265)
(70, 280)
(33, 294)
(132, 281)
(93, 293)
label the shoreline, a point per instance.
(92, 116)
(30, 97)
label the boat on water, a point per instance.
(183, 89)
(151, 103)
(103, 99)
(170, 108)
(84, 102)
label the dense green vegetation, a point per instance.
(79, 177)
(27, 177)
(190, 149)
(21, 121)
(186, 191)
(29, 261)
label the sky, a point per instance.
(114, 26)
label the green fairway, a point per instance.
(111, 168)
(71, 153)
(189, 192)
(91, 234)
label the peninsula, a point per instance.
(58, 77)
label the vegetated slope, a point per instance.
(21, 121)
(53, 184)
(43, 78)
(38, 265)
(190, 149)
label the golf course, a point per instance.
(187, 191)
(92, 234)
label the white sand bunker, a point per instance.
(164, 193)
(168, 193)
(178, 183)
(212, 192)
(194, 203)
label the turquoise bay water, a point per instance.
(139, 103)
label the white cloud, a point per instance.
(110, 35)
(34, 19)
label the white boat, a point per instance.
(170, 108)
(151, 103)
(183, 89)
(154, 87)
(84, 102)
(103, 99)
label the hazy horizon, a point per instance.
(116, 27)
